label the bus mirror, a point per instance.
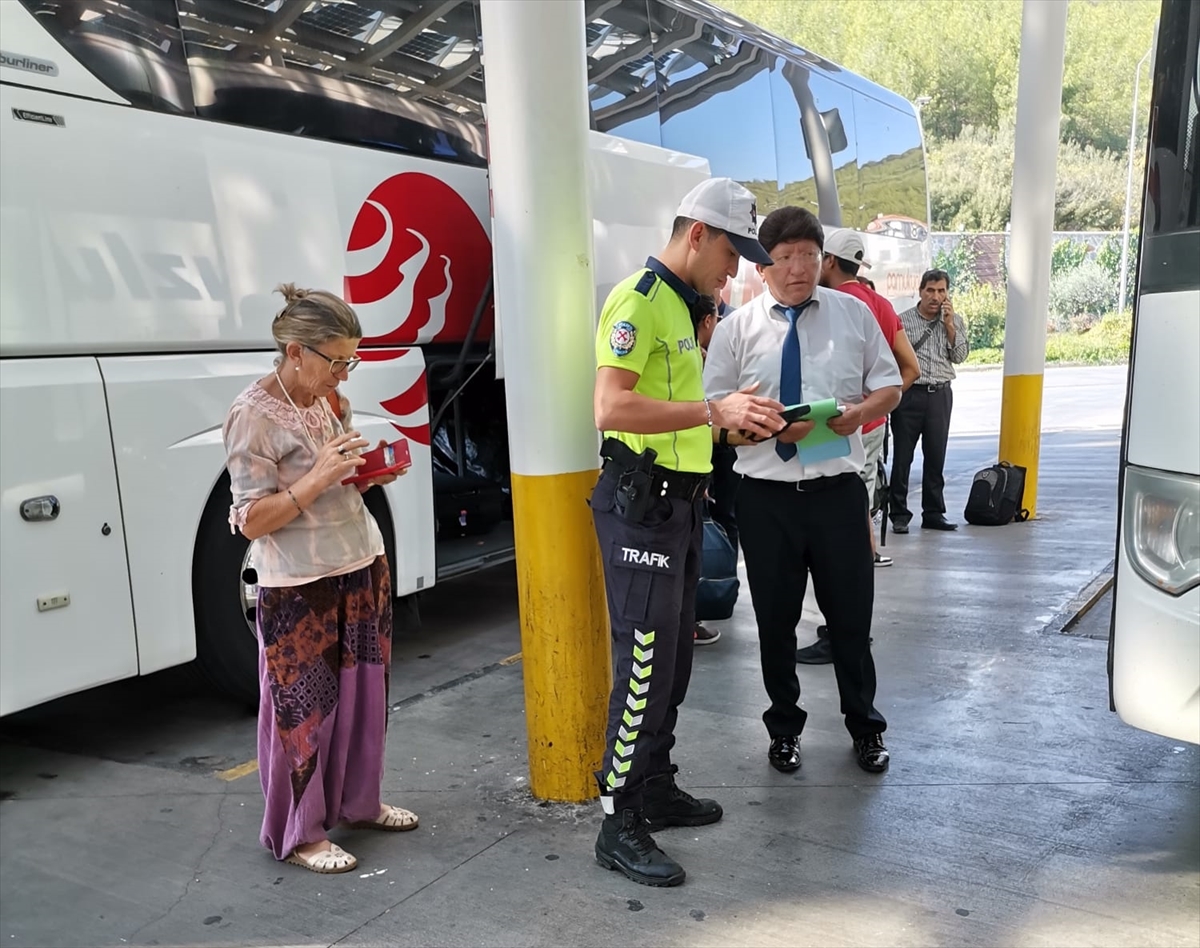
(835, 130)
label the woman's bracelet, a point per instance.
(294, 500)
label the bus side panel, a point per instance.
(635, 191)
(1164, 407)
(56, 444)
(1156, 656)
(167, 417)
(167, 412)
(1156, 643)
(160, 233)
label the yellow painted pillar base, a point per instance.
(564, 633)
(1021, 430)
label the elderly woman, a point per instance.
(325, 598)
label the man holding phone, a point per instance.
(939, 337)
(799, 510)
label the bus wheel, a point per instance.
(223, 592)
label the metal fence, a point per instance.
(987, 251)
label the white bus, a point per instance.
(166, 163)
(1154, 648)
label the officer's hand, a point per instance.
(746, 411)
(796, 431)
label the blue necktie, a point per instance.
(789, 372)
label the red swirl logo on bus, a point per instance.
(417, 243)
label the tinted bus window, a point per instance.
(714, 98)
(622, 92)
(132, 46)
(345, 71)
(891, 168)
(1173, 191)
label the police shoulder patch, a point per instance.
(623, 338)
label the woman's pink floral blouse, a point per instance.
(267, 452)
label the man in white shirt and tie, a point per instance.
(801, 510)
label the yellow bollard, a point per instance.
(1021, 429)
(564, 633)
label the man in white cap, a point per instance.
(648, 511)
(844, 257)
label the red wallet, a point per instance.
(389, 459)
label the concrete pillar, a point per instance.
(535, 77)
(1039, 103)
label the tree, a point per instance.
(1090, 194)
(970, 180)
(964, 55)
(970, 183)
(1105, 41)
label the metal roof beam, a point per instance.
(409, 30)
(287, 14)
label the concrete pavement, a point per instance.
(1018, 810)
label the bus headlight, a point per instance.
(1162, 527)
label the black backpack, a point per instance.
(996, 496)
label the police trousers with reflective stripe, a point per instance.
(651, 571)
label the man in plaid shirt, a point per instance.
(939, 337)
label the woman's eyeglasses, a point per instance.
(337, 365)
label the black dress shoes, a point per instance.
(872, 756)
(819, 653)
(784, 754)
(900, 527)
(937, 523)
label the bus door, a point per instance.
(66, 617)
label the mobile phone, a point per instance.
(792, 413)
(389, 459)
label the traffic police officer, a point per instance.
(647, 507)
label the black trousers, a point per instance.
(788, 534)
(724, 491)
(651, 571)
(921, 415)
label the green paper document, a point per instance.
(821, 444)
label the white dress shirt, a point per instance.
(843, 355)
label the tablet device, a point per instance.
(389, 459)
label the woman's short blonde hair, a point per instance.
(311, 317)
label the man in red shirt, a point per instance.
(844, 251)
